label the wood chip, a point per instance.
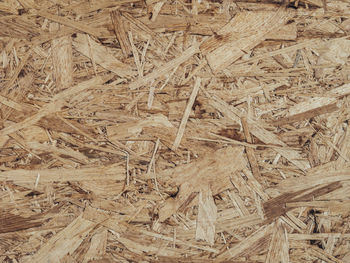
(58, 246)
(240, 36)
(101, 55)
(206, 218)
(186, 114)
(192, 176)
(119, 29)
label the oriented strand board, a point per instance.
(174, 131)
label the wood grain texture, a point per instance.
(174, 131)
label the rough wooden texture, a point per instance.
(174, 131)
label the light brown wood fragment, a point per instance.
(213, 169)
(246, 245)
(79, 130)
(63, 175)
(44, 37)
(135, 55)
(94, 5)
(330, 245)
(307, 114)
(255, 185)
(152, 161)
(46, 110)
(321, 254)
(308, 43)
(180, 242)
(340, 91)
(24, 84)
(27, 3)
(144, 28)
(186, 114)
(250, 152)
(139, 248)
(54, 106)
(317, 236)
(318, 3)
(91, 146)
(308, 109)
(233, 222)
(276, 206)
(165, 68)
(270, 138)
(345, 150)
(206, 218)
(12, 223)
(321, 204)
(278, 250)
(290, 223)
(286, 32)
(156, 9)
(34, 134)
(63, 243)
(18, 69)
(102, 188)
(201, 24)
(6, 7)
(10, 103)
(103, 218)
(101, 55)
(259, 208)
(97, 247)
(311, 180)
(62, 59)
(135, 127)
(119, 30)
(68, 22)
(297, 221)
(238, 203)
(258, 131)
(240, 35)
(38, 147)
(240, 184)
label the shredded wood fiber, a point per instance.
(174, 131)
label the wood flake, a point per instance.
(192, 176)
(119, 29)
(186, 114)
(206, 218)
(165, 68)
(63, 243)
(240, 35)
(101, 55)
